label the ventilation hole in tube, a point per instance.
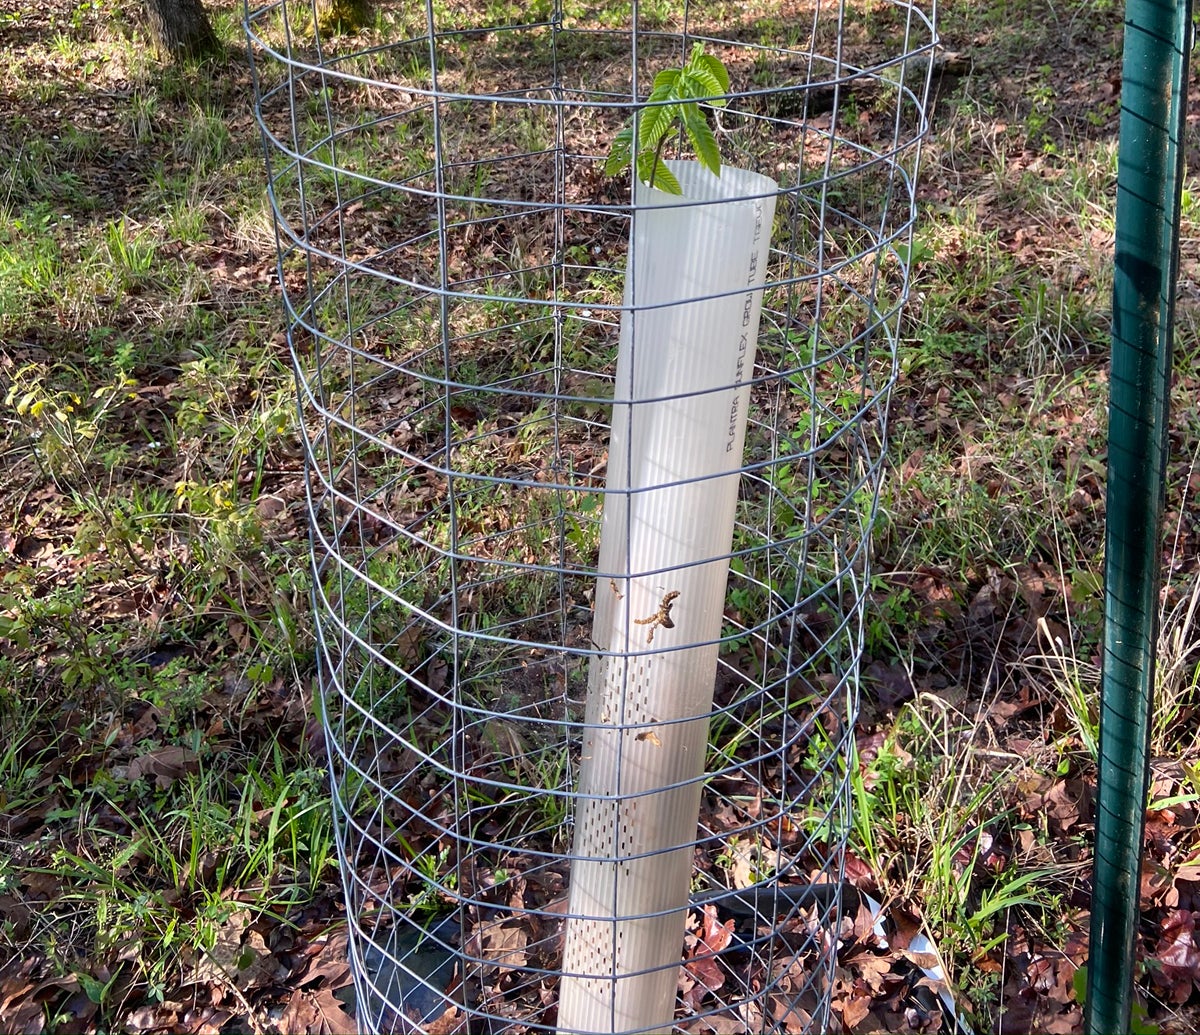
(628, 827)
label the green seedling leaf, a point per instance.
(712, 68)
(701, 136)
(664, 84)
(670, 106)
(655, 173)
(702, 78)
(621, 152)
(654, 125)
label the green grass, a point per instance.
(156, 650)
(941, 856)
(998, 467)
(153, 600)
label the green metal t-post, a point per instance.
(1149, 175)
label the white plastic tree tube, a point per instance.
(693, 294)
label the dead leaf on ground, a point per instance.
(892, 683)
(1178, 956)
(870, 970)
(789, 1016)
(702, 966)
(853, 1009)
(165, 764)
(325, 960)
(334, 1018)
(158, 1017)
(300, 1016)
(21, 1009)
(449, 1023)
(239, 957)
(716, 1024)
(505, 943)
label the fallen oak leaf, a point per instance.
(905, 926)
(870, 971)
(853, 1010)
(18, 978)
(151, 1017)
(449, 1023)
(204, 1021)
(1157, 886)
(300, 1016)
(923, 960)
(862, 926)
(165, 764)
(505, 944)
(702, 966)
(789, 1016)
(859, 873)
(334, 1018)
(1068, 1022)
(1178, 956)
(238, 960)
(332, 973)
(715, 935)
(709, 977)
(718, 1024)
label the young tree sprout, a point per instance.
(672, 102)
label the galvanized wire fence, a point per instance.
(556, 644)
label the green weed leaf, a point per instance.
(918, 251)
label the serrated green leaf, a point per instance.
(701, 136)
(654, 172)
(665, 82)
(667, 93)
(715, 67)
(665, 181)
(620, 153)
(704, 76)
(671, 101)
(699, 84)
(655, 124)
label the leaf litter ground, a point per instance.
(106, 636)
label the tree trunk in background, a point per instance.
(343, 16)
(180, 29)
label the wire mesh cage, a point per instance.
(593, 469)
